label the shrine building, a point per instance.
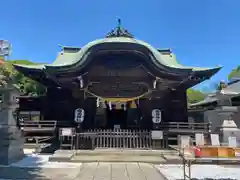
(114, 82)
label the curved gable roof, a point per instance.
(69, 58)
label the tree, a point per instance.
(235, 72)
(25, 85)
(7, 76)
(194, 96)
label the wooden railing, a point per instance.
(30, 125)
(120, 138)
(110, 138)
(184, 126)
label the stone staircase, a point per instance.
(114, 155)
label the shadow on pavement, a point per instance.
(23, 173)
(37, 167)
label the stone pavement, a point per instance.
(87, 171)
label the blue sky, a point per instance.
(200, 32)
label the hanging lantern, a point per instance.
(79, 115)
(156, 116)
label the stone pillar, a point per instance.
(11, 140)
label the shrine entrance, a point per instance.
(117, 69)
(116, 118)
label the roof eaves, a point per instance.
(33, 67)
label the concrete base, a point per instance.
(12, 142)
(228, 129)
(11, 146)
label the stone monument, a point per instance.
(229, 129)
(11, 140)
(226, 111)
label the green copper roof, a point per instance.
(70, 58)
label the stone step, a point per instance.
(113, 155)
(119, 158)
(129, 152)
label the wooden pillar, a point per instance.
(89, 106)
(177, 106)
(145, 110)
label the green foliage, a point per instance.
(194, 95)
(234, 72)
(25, 85)
(5, 76)
(24, 62)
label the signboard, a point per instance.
(5, 48)
(184, 141)
(199, 139)
(66, 132)
(156, 135)
(215, 140)
(232, 141)
(117, 126)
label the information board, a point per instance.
(66, 132)
(232, 141)
(199, 139)
(184, 142)
(215, 140)
(156, 135)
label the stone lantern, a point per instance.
(12, 142)
(226, 111)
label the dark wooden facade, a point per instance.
(115, 69)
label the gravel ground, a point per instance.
(175, 172)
